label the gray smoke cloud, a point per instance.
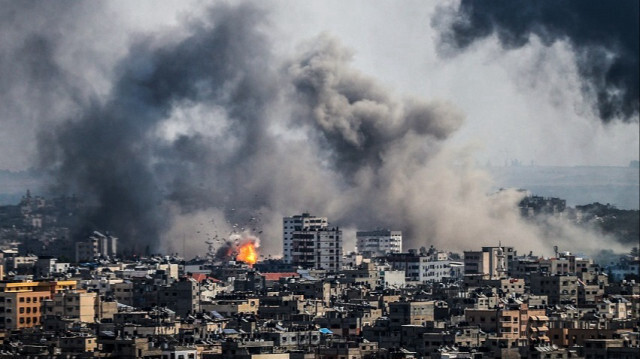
(203, 130)
(604, 36)
(355, 118)
(34, 88)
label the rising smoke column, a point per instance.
(35, 90)
(354, 116)
(604, 36)
(110, 151)
(212, 123)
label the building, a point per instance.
(303, 222)
(21, 303)
(46, 266)
(559, 289)
(78, 305)
(183, 296)
(97, 245)
(308, 242)
(564, 263)
(378, 243)
(439, 270)
(514, 321)
(489, 263)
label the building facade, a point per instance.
(21, 303)
(96, 245)
(378, 243)
(308, 242)
(297, 223)
(489, 263)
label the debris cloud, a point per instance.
(195, 134)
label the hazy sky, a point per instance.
(525, 103)
(177, 116)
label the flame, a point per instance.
(247, 253)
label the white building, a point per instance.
(421, 268)
(378, 243)
(47, 265)
(437, 270)
(304, 222)
(391, 278)
(309, 242)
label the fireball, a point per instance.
(247, 253)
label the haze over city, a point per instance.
(330, 179)
(178, 118)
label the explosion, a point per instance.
(247, 253)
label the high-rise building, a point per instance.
(378, 243)
(310, 243)
(303, 222)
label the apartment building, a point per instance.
(378, 243)
(21, 303)
(308, 242)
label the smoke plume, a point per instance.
(205, 130)
(603, 35)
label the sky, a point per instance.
(170, 113)
(516, 102)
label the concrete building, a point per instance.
(559, 289)
(436, 270)
(78, 343)
(489, 263)
(78, 305)
(366, 274)
(96, 245)
(413, 313)
(378, 243)
(21, 302)
(183, 296)
(46, 266)
(309, 243)
(516, 321)
(564, 263)
(231, 307)
(303, 222)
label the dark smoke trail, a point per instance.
(604, 36)
(110, 152)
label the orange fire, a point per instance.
(247, 253)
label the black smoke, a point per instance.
(206, 122)
(34, 88)
(225, 91)
(352, 115)
(604, 36)
(110, 151)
